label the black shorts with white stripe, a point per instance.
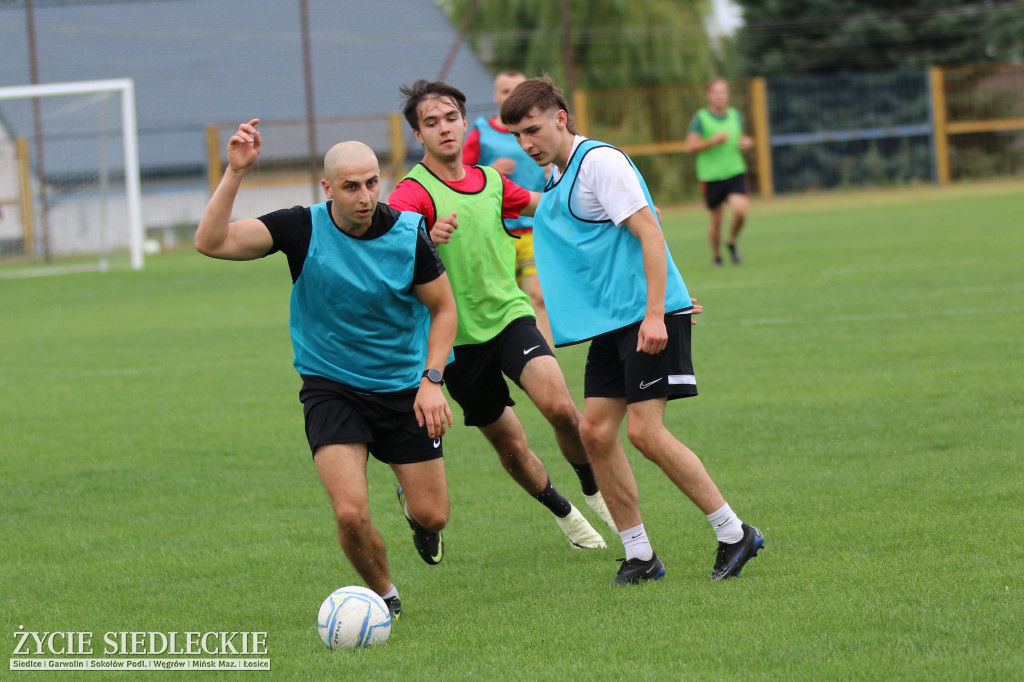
(615, 369)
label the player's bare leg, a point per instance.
(599, 429)
(715, 234)
(543, 381)
(342, 469)
(646, 430)
(737, 542)
(423, 494)
(739, 205)
(509, 440)
(426, 492)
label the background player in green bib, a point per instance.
(497, 336)
(716, 137)
(372, 323)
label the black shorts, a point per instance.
(475, 378)
(615, 368)
(336, 413)
(717, 191)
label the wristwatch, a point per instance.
(434, 375)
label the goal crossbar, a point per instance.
(126, 88)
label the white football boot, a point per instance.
(579, 531)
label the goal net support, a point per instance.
(69, 172)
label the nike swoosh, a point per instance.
(527, 351)
(437, 442)
(645, 384)
(437, 557)
(635, 536)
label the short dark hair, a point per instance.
(540, 92)
(424, 89)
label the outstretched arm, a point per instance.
(653, 337)
(217, 236)
(531, 207)
(504, 165)
(431, 406)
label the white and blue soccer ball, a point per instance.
(353, 617)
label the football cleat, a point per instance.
(579, 531)
(731, 558)
(429, 543)
(633, 571)
(394, 607)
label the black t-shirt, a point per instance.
(292, 230)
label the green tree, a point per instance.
(643, 64)
(784, 37)
(614, 43)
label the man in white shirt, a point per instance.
(619, 289)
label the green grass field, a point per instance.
(861, 402)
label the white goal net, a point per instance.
(69, 174)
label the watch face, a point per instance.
(434, 375)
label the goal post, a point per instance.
(99, 173)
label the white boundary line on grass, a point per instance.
(55, 270)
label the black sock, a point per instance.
(553, 500)
(586, 474)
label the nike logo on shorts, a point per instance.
(437, 443)
(529, 350)
(645, 384)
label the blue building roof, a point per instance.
(197, 62)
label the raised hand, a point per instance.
(244, 146)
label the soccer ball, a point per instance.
(353, 617)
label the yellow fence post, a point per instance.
(214, 169)
(397, 146)
(937, 82)
(25, 184)
(762, 141)
(579, 105)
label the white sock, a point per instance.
(728, 527)
(392, 593)
(636, 544)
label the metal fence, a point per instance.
(937, 125)
(831, 132)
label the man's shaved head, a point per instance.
(352, 183)
(347, 156)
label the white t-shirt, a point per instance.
(607, 187)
